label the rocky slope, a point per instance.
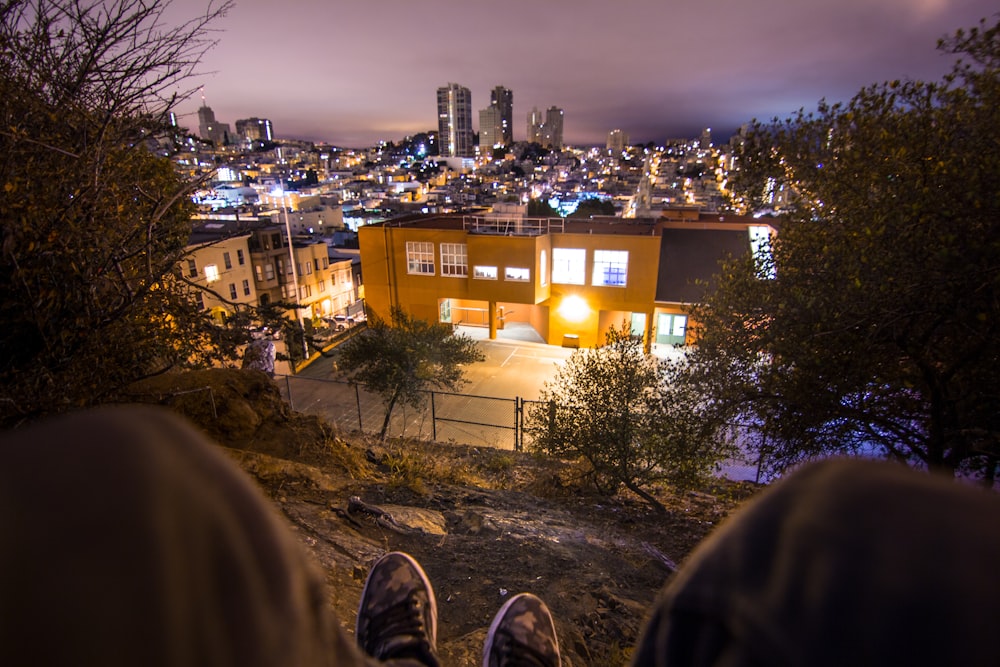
(485, 524)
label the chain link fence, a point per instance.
(442, 416)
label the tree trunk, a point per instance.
(388, 415)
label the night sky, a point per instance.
(354, 72)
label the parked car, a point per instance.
(339, 321)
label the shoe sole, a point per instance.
(423, 578)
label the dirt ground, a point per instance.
(485, 524)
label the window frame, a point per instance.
(507, 274)
(454, 260)
(608, 264)
(420, 258)
(485, 272)
(564, 266)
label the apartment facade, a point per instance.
(454, 106)
(569, 280)
(220, 262)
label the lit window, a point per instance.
(610, 267)
(484, 272)
(454, 260)
(260, 272)
(569, 266)
(517, 274)
(269, 271)
(322, 285)
(420, 257)
(211, 273)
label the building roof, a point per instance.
(689, 260)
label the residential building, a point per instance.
(219, 259)
(278, 276)
(455, 136)
(490, 129)
(617, 141)
(570, 280)
(503, 99)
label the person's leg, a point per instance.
(522, 633)
(842, 563)
(129, 539)
(397, 616)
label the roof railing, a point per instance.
(512, 226)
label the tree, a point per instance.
(879, 332)
(539, 208)
(400, 360)
(592, 206)
(93, 223)
(622, 411)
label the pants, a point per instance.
(128, 539)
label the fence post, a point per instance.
(288, 387)
(518, 424)
(434, 423)
(357, 399)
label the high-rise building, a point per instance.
(503, 99)
(552, 134)
(255, 129)
(617, 141)
(705, 142)
(454, 103)
(490, 129)
(209, 128)
(536, 124)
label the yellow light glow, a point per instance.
(574, 309)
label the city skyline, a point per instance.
(358, 73)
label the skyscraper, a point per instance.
(503, 99)
(617, 141)
(552, 134)
(209, 128)
(535, 126)
(454, 104)
(490, 129)
(255, 129)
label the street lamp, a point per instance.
(295, 270)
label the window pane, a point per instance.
(569, 266)
(517, 274)
(454, 260)
(485, 272)
(420, 257)
(610, 268)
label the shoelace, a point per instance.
(513, 653)
(398, 631)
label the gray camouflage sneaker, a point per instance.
(522, 633)
(397, 617)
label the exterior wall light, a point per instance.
(574, 309)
